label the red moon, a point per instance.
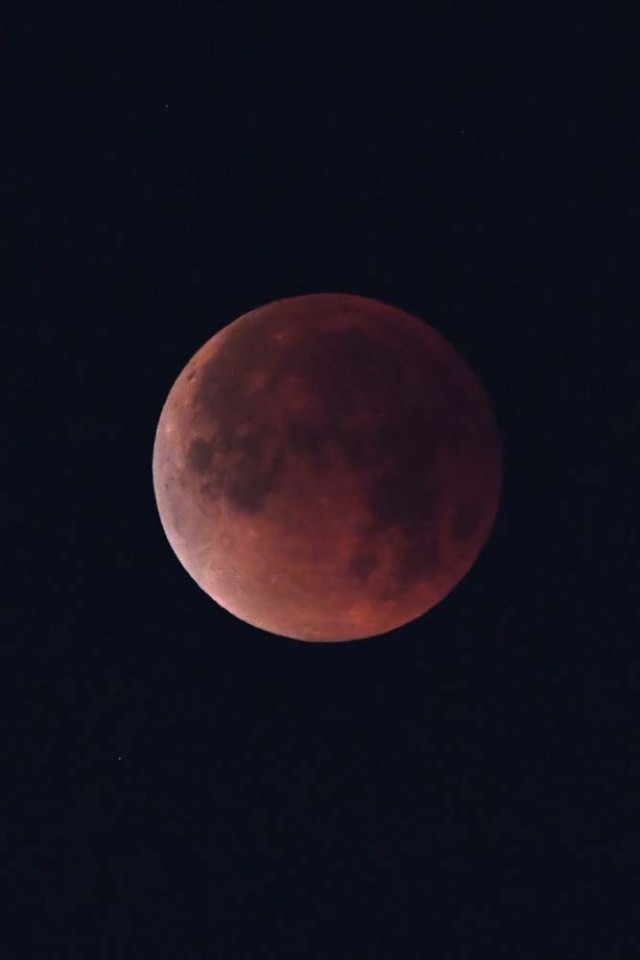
(327, 467)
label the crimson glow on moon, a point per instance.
(327, 467)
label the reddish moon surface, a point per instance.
(327, 467)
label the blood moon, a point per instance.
(327, 467)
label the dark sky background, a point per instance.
(179, 784)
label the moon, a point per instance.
(327, 467)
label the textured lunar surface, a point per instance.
(327, 467)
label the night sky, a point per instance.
(177, 783)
